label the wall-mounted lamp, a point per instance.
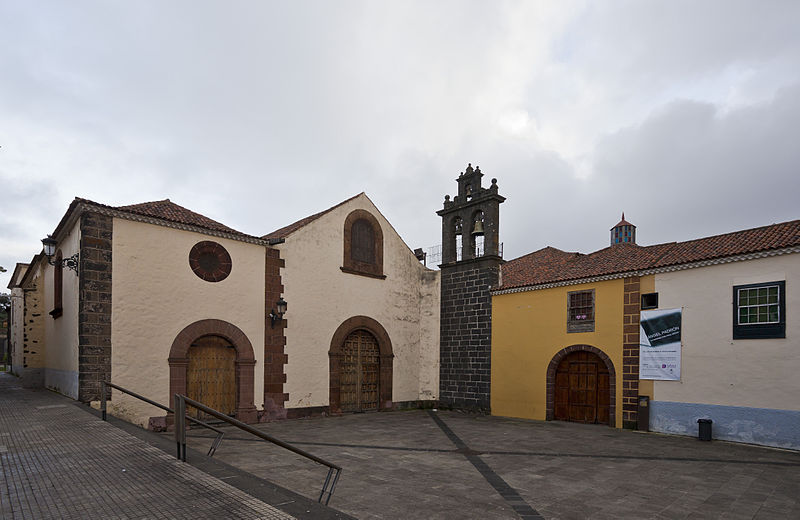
(50, 244)
(277, 316)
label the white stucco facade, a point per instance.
(716, 369)
(61, 333)
(155, 295)
(137, 307)
(749, 387)
(321, 297)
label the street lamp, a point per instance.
(276, 316)
(50, 244)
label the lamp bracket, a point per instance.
(71, 262)
(275, 317)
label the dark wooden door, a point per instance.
(211, 375)
(360, 370)
(582, 389)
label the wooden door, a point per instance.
(359, 372)
(582, 389)
(211, 375)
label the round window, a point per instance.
(210, 261)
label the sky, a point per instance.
(682, 114)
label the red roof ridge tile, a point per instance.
(294, 226)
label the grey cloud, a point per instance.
(698, 171)
(260, 113)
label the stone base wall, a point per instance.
(322, 411)
(466, 333)
(764, 426)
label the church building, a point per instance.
(333, 313)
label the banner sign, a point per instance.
(660, 345)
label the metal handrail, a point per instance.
(180, 439)
(103, 394)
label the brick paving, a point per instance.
(58, 461)
(404, 464)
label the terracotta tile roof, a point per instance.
(291, 228)
(551, 265)
(776, 236)
(168, 210)
(164, 210)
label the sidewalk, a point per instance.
(59, 460)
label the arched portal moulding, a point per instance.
(245, 363)
(612, 379)
(387, 357)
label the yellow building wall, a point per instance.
(529, 328)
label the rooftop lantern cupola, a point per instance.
(624, 232)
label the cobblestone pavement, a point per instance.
(443, 465)
(58, 461)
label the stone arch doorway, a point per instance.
(217, 344)
(361, 362)
(581, 386)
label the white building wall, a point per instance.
(320, 297)
(61, 334)
(749, 387)
(155, 295)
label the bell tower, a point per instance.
(471, 258)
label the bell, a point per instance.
(478, 231)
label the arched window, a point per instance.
(363, 245)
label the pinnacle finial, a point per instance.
(623, 215)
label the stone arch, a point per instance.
(387, 357)
(612, 380)
(245, 363)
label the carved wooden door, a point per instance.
(360, 371)
(582, 389)
(211, 375)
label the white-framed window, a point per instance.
(759, 310)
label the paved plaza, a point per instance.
(59, 460)
(445, 465)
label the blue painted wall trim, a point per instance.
(768, 427)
